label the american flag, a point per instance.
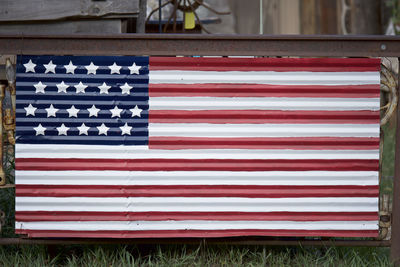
(129, 147)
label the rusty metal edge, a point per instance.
(198, 241)
(148, 36)
(197, 44)
(395, 238)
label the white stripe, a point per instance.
(197, 178)
(265, 77)
(124, 152)
(263, 130)
(196, 225)
(262, 103)
(191, 204)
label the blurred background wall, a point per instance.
(124, 16)
(313, 16)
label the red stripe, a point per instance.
(43, 164)
(248, 191)
(195, 233)
(263, 90)
(265, 64)
(311, 143)
(33, 216)
(263, 116)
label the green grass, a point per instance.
(389, 131)
(191, 256)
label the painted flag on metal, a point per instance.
(132, 147)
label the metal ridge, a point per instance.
(197, 44)
(198, 241)
(206, 36)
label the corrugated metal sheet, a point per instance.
(235, 147)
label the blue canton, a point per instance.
(96, 100)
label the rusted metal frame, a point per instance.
(395, 238)
(196, 44)
(336, 46)
(198, 241)
(2, 174)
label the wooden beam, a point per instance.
(109, 26)
(34, 10)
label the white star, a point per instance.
(30, 110)
(116, 112)
(126, 89)
(104, 88)
(136, 111)
(40, 129)
(80, 88)
(51, 111)
(103, 129)
(70, 68)
(91, 68)
(93, 111)
(73, 112)
(39, 87)
(30, 66)
(126, 129)
(134, 69)
(62, 130)
(62, 87)
(50, 67)
(114, 68)
(83, 129)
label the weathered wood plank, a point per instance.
(271, 16)
(247, 16)
(141, 20)
(25, 10)
(289, 17)
(365, 17)
(308, 16)
(63, 27)
(327, 17)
